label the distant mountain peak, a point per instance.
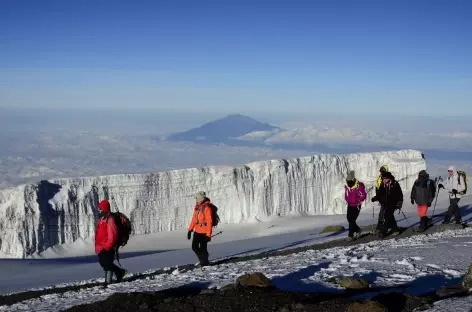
(223, 130)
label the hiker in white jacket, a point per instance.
(454, 185)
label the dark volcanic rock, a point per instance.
(258, 299)
(368, 306)
(352, 283)
(467, 282)
(253, 280)
(333, 228)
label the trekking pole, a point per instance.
(373, 217)
(436, 200)
(409, 224)
(220, 232)
(455, 195)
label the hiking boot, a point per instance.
(446, 220)
(108, 277)
(349, 239)
(423, 224)
(120, 275)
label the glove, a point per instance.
(440, 186)
(189, 235)
(374, 199)
(412, 201)
(454, 191)
(208, 238)
(399, 205)
(359, 207)
(429, 205)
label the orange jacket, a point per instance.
(201, 220)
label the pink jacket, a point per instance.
(356, 195)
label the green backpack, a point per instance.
(464, 176)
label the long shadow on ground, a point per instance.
(81, 259)
(10, 299)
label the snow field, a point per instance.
(425, 261)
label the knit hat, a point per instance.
(384, 168)
(422, 173)
(351, 175)
(104, 206)
(201, 195)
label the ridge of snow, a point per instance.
(34, 217)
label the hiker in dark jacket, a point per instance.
(423, 193)
(382, 169)
(390, 197)
(106, 237)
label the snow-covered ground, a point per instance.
(426, 261)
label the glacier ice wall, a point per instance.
(34, 217)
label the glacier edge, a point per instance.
(35, 217)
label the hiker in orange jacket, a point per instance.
(201, 225)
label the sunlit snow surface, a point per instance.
(426, 262)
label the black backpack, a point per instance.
(214, 214)
(124, 228)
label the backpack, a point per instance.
(124, 228)
(464, 176)
(214, 214)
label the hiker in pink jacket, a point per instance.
(354, 194)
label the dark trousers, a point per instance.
(106, 258)
(352, 214)
(387, 219)
(199, 247)
(453, 211)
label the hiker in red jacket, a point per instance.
(106, 237)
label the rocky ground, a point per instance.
(18, 297)
(255, 292)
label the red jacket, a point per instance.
(106, 234)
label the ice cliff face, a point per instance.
(36, 217)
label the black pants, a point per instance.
(387, 219)
(106, 258)
(352, 214)
(453, 211)
(199, 247)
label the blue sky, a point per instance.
(363, 57)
